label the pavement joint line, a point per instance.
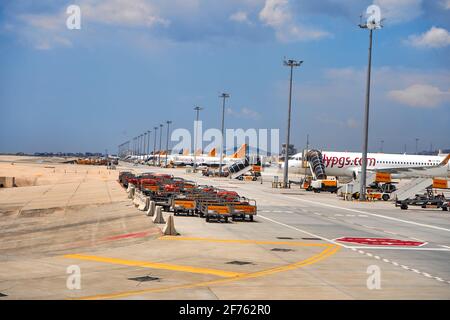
(371, 214)
(244, 241)
(303, 231)
(327, 252)
(153, 265)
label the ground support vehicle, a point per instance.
(244, 208)
(427, 200)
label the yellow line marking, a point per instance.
(154, 265)
(293, 243)
(329, 251)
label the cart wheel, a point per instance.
(234, 217)
(207, 218)
(226, 219)
(385, 197)
(404, 207)
(444, 209)
(251, 217)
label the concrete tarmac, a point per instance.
(290, 251)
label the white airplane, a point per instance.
(348, 164)
(207, 160)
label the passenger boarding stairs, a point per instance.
(415, 186)
(354, 187)
(315, 161)
(243, 166)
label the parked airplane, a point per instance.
(348, 164)
(210, 160)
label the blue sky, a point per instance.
(137, 63)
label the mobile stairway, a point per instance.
(243, 166)
(316, 165)
(415, 186)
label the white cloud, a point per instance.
(244, 113)
(397, 11)
(132, 13)
(445, 4)
(420, 96)
(433, 38)
(277, 14)
(240, 16)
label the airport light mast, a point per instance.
(289, 63)
(197, 109)
(154, 145)
(148, 142)
(140, 144)
(224, 96)
(160, 139)
(167, 141)
(145, 144)
(417, 145)
(373, 22)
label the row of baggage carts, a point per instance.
(185, 197)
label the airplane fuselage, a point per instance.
(402, 165)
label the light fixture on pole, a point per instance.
(167, 141)
(291, 64)
(160, 140)
(197, 109)
(154, 145)
(224, 96)
(148, 143)
(373, 22)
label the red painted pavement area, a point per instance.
(128, 235)
(381, 241)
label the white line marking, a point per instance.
(371, 214)
(444, 246)
(400, 248)
(386, 260)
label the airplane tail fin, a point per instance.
(212, 152)
(445, 161)
(198, 152)
(185, 152)
(240, 153)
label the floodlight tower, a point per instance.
(167, 141)
(291, 64)
(145, 144)
(373, 22)
(148, 143)
(160, 139)
(197, 110)
(154, 144)
(224, 96)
